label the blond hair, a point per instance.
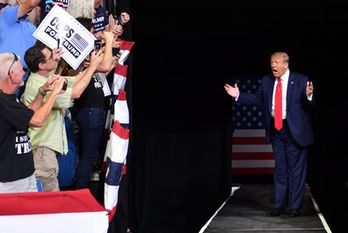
(281, 54)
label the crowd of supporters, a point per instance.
(40, 92)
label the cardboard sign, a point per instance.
(58, 25)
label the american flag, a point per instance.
(79, 42)
(119, 125)
(125, 48)
(251, 154)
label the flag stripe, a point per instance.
(121, 95)
(124, 169)
(123, 56)
(114, 174)
(249, 132)
(249, 140)
(126, 45)
(121, 113)
(48, 202)
(252, 156)
(120, 131)
(92, 222)
(252, 171)
(253, 163)
(116, 149)
(110, 196)
(251, 148)
(121, 70)
(118, 84)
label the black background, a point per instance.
(181, 116)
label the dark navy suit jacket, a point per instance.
(297, 106)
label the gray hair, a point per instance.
(81, 8)
(5, 61)
(12, 2)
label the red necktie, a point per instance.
(278, 119)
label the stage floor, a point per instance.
(245, 211)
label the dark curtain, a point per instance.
(180, 178)
(179, 172)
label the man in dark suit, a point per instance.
(286, 98)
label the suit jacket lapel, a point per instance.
(270, 94)
(290, 88)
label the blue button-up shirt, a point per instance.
(16, 35)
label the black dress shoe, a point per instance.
(275, 212)
(294, 213)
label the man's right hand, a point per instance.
(232, 90)
(58, 84)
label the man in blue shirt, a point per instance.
(16, 34)
(3, 4)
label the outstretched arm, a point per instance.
(106, 64)
(82, 80)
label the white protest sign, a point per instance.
(58, 25)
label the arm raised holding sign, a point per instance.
(106, 65)
(82, 80)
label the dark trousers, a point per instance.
(91, 123)
(290, 169)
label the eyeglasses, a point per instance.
(50, 58)
(15, 59)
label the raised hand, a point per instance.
(57, 53)
(58, 84)
(115, 27)
(309, 88)
(117, 30)
(48, 86)
(232, 90)
(96, 58)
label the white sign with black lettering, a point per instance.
(59, 27)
